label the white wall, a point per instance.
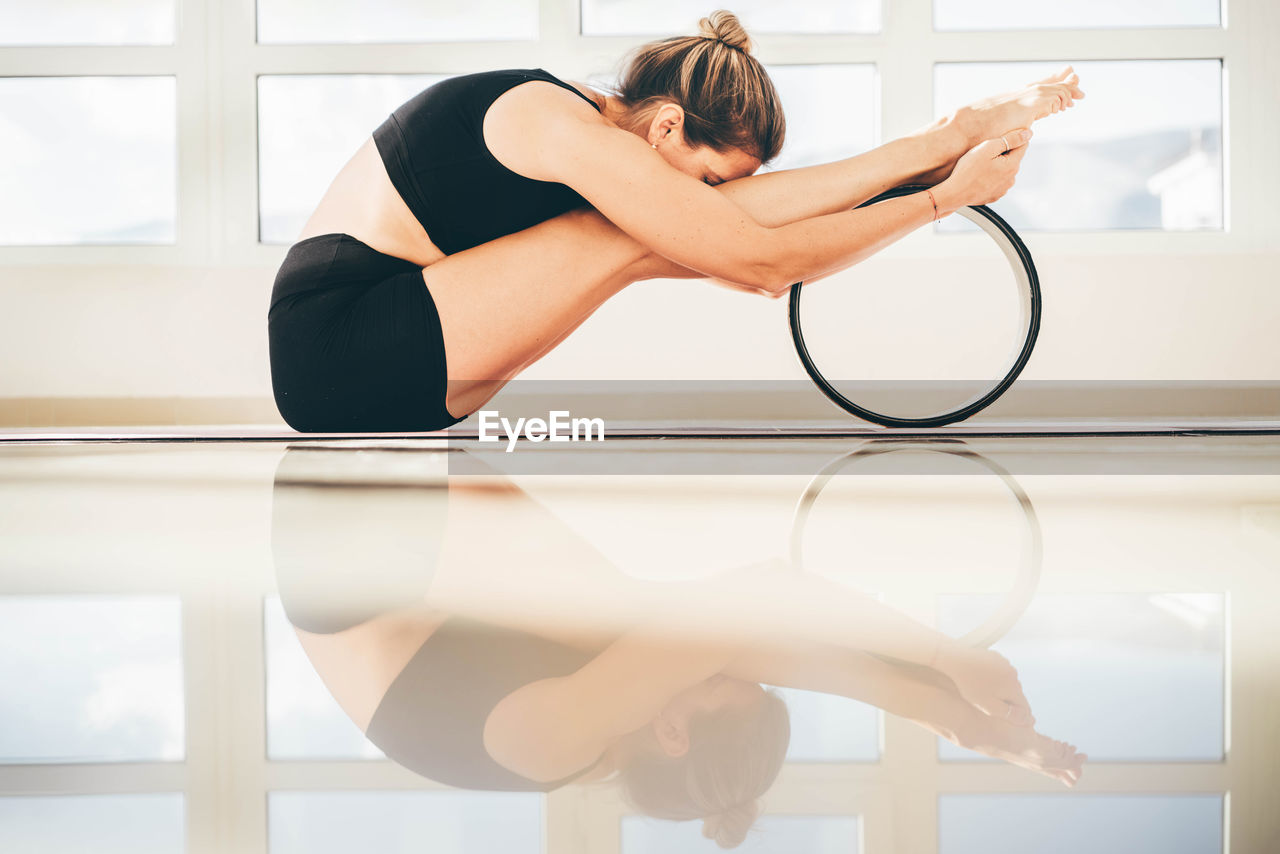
(201, 332)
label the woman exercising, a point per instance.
(492, 213)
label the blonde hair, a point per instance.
(733, 758)
(727, 96)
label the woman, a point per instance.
(524, 661)
(493, 213)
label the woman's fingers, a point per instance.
(1013, 145)
(1010, 142)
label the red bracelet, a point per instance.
(935, 204)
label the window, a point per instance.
(338, 22)
(996, 824)
(93, 158)
(1143, 150)
(404, 822)
(87, 22)
(302, 148)
(1134, 655)
(665, 17)
(815, 132)
(827, 728)
(91, 679)
(1046, 14)
(88, 160)
(304, 721)
(138, 824)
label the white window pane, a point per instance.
(304, 721)
(404, 822)
(1103, 670)
(1142, 150)
(772, 834)
(680, 17)
(88, 160)
(815, 132)
(73, 22)
(91, 679)
(1120, 824)
(1080, 14)
(828, 728)
(402, 21)
(103, 824)
(308, 128)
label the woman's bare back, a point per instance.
(363, 203)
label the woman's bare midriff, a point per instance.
(363, 203)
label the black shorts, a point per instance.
(355, 341)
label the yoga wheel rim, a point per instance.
(1027, 581)
(1024, 269)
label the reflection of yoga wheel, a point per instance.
(1019, 596)
(1028, 285)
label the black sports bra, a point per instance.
(432, 718)
(434, 152)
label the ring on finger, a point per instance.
(1006, 144)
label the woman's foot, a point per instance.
(991, 117)
(1028, 749)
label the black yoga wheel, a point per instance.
(1027, 284)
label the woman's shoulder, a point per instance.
(535, 732)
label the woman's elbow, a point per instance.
(767, 271)
(769, 281)
(765, 286)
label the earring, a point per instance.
(654, 146)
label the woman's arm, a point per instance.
(769, 599)
(699, 227)
(917, 694)
(552, 727)
(920, 695)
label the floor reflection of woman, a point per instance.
(521, 660)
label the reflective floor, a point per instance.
(960, 644)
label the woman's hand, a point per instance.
(988, 681)
(985, 173)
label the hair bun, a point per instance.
(730, 827)
(724, 26)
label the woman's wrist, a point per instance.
(946, 198)
(944, 650)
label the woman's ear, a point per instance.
(672, 735)
(667, 119)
